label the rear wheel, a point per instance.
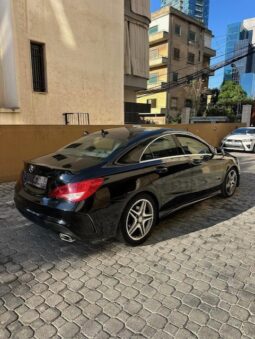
(138, 219)
(230, 183)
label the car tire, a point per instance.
(138, 219)
(230, 183)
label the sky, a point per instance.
(222, 13)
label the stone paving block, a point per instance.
(191, 300)
(92, 296)
(229, 332)
(71, 312)
(208, 333)
(69, 330)
(72, 297)
(133, 307)
(248, 329)
(50, 314)
(46, 331)
(4, 333)
(199, 317)
(135, 324)
(113, 326)
(91, 328)
(239, 313)
(24, 332)
(34, 301)
(7, 318)
(29, 316)
(194, 278)
(92, 310)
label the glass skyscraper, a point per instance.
(199, 9)
(240, 36)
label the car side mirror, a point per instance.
(220, 150)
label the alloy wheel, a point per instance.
(231, 182)
(139, 219)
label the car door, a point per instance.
(205, 168)
(172, 167)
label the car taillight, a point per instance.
(77, 191)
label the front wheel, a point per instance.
(138, 219)
(230, 183)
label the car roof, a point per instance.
(134, 134)
(245, 127)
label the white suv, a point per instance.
(242, 139)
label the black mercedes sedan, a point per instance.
(121, 181)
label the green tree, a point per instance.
(231, 94)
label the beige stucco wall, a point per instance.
(84, 60)
(28, 142)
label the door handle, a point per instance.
(161, 169)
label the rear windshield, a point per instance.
(244, 131)
(96, 145)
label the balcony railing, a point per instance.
(156, 84)
(209, 52)
(160, 61)
(158, 37)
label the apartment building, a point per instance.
(179, 46)
(67, 56)
(198, 9)
(240, 39)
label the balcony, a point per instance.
(158, 37)
(209, 52)
(156, 84)
(160, 61)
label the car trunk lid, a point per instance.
(44, 173)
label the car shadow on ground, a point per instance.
(208, 213)
(25, 243)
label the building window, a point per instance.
(174, 77)
(191, 58)
(177, 54)
(188, 103)
(38, 66)
(153, 78)
(153, 30)
(174, 103)
(152, 102)
(192, 36)
(154, 53)
(177, 30)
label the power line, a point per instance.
(203, 72)
(196, 64)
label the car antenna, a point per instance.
(104, 133)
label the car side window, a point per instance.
(161, 148)
(134, 155)
(193, 146)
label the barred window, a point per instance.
(192, 36)
(38, 66)
(191, 58)
(177, 30)
(177, 54)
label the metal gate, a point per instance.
(76, 118)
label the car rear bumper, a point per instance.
(78, 226)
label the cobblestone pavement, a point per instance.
(194, 278)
